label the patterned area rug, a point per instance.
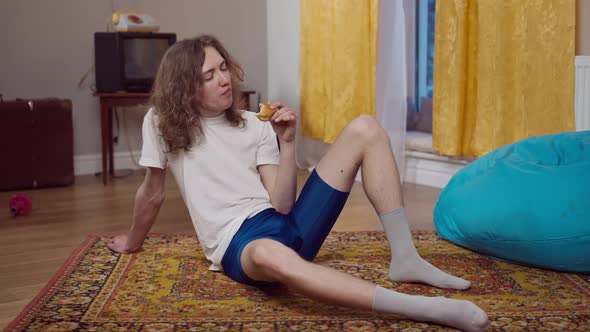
(167, 287)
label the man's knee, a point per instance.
(272, 257)
(366, 128)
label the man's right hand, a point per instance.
(119, 244)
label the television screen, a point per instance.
(142, 56)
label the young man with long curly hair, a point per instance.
(240, 190)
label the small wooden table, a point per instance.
(108, 101)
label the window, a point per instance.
(425, 22)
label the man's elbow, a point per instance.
(152, 196)
(156, 199)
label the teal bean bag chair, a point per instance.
(526, 203)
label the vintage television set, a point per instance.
(128, 61)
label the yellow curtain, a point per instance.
(503, 71)
(338, 59)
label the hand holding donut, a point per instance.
(283, 120)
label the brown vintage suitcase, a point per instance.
(36, 143)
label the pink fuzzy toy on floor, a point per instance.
(20, 205)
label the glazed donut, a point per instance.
(265, 112)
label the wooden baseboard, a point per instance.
(430, 169)
(421, 168)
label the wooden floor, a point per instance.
(33, 248)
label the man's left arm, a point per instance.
(281, 180)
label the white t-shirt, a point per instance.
(217, 178)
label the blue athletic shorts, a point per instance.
(304, 229)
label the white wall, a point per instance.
(284, 54)
(283, 51)
(47, 46)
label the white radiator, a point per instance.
(582, 93)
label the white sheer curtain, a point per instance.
(394, 71)
(394, 64)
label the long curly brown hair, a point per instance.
(176, 90)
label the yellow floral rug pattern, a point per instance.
(168, 287)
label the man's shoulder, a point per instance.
(248, 114)
(151, 112)
(251, 121)
(150, 120)
(151, 116)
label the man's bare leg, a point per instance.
(268, 260)
(364, 143)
